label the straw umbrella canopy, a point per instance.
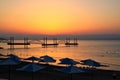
(14, 57)
(9, 62)
(91, 62)
(47, 59)
(68, 61)
(31, 68)
(32, 58)
(71, 70)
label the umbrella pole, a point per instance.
(71, 76)
(32, 75)
(9, 72)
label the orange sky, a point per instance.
(60, 16)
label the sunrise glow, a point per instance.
(59, 17)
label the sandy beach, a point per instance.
(49, 73)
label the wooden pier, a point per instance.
(12, 43)
(69, 43)
(50, 44)
(43, 42)
(18, 43)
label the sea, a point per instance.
(107, 52)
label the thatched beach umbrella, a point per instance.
(91, 62)
(47, 59)
(14, 57)
(9, 62)
(71, 70)
(32, 58)
(68, 61)
(31, 68)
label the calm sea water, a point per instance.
(105, 51)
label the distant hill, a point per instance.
(3, 39)
(63, 37)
